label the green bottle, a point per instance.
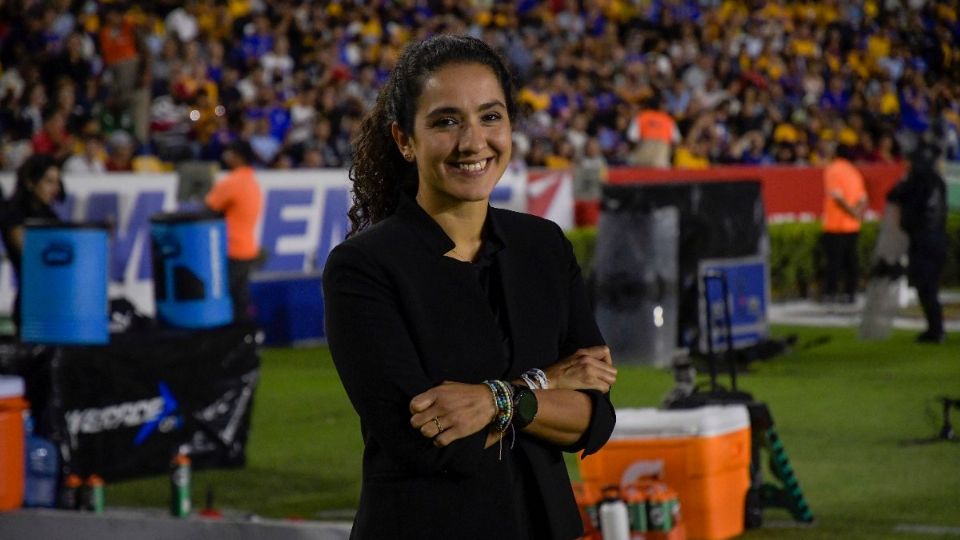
(97, 499)
(180, 485)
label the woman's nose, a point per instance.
(472, 139)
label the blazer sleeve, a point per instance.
(380, 368)
(582, 331)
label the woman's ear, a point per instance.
(404, 144)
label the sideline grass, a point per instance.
(842, 409)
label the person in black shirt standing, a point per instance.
(922, 197)
(38, 187)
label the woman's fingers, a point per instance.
(422, 402)
(433, 427)
(452, 411)
(591, 373)
(600, 352)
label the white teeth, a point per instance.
(473, 167)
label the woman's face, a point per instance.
(47, 187)
(462, 135)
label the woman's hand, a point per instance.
(452, 411)
(590, 368)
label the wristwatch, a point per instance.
(524, 406)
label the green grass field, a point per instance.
(843, 409)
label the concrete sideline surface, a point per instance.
(119, 524)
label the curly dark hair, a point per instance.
(379, 173)
(30, 172)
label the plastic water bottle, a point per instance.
(41, 468)
(614, 520)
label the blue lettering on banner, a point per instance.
(275, 227)
(64, 208)
(501, 194)
(334, 225)
(104, 207)
(169, 411)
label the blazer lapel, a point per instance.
(463, 285)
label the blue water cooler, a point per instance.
(63, 297)
(190, 279)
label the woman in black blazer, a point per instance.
(462, 333)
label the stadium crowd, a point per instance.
(114, 86)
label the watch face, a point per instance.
(525, 406)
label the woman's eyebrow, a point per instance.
(456, 110)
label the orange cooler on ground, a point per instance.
(12, 406)
(703, 454)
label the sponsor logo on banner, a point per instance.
(304, 216)
(152, 414)
(550, 196)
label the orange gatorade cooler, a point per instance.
(703, 454)
(12, 406)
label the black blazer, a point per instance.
(401, 318)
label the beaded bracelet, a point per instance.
(503, 401)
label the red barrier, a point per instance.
(789, 193)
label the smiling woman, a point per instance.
(461, 139)
(461, 333)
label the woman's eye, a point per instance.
(492, 117)
(445, 122)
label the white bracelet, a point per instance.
(537, 377)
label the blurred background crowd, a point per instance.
(120, 87)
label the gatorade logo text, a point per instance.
(129, 414)
(153, 414)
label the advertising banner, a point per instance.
(550, 196)
(123, 410)
(304, 216)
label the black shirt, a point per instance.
(515, 471)
(20, 208)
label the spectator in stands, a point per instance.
(127, 63)
(32, 112)
(322, 141)
(278, 64)
(265, 145)
(88, 160)
(425, 256)
(239, 198)
(303, 114)
(890, 64)
(53, 138)
(71, 62)
(843, 207)
(38, 188)
(120, 151)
